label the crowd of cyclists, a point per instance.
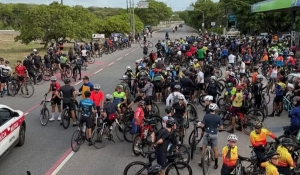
(181, 73)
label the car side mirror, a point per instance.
(16, 114)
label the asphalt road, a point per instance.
(47, 149)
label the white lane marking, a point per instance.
(119, 58)
(26, 113)
(111, 63)
(98, 71)
(78, 82)
(126, 54)
(132, 50)
(62, 163)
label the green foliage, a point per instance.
(104, 13)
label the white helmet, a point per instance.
(181, 97)
(97, 86)
(53, 78)
(34, 50)
(213, 78)
(213, 106)
(155, 61)
(191, 63)
(108, 96)
(209, 53)
(128, 67)
(232, 74)
(260, 76)
(208, 98)
(137, 61)
(140, 67)
(158, 59)
(232, 137)
(195, 60)
(291, 53)
(168, 68)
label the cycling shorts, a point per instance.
(87, 120)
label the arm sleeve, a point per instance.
(168, 99)
(270, 134)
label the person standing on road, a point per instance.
(229, 155)
(55, 99)
(211, 122)
(97, 97)
(231, 60)
(6, 72)
(87, 86)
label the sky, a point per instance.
(176, 5)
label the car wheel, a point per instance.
(21, 136)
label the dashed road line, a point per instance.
(98, 71)
(126, 54)
(111, 63)
(78, 82)
(120, 58)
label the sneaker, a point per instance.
(238, 128)
(59, 119)
(230, 131)
(216, 167)
(51, 119)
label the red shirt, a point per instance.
(54, 87)
(139, 116)
(188, 54)
(20, 70)
(97, 97)
(193, 49)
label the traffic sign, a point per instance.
(143, 5)
(98, 36)
(213, 23)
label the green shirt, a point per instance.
(63, 60)
(200, 53)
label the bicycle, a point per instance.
(208, 154)
(15, 86)
(44, 116)
(172, 165)
(66, 115)
(194, 138)
(287, 102)
(101, 134)
(79, 137)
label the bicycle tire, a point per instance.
(13, 87)
(187, 122)
(97, 137)
(158, 125)
(136, 143)
(175, 165)
(218, 72)
(119, 132)
(26, 85)
(128, 130)
(183, 150)
(226, 118)
(91, 60)
(191, 137)
(261, 117)
(143, 164)
(65, 118)
(194, 111)
(201, 101)
(76, 136)
(193, 145)
(150, 45)
(250, 124)
(39, 78)
(155, 109)
(44, 115)
(69, 75)
(205, 172)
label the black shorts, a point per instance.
(21, 78)
(247, 64)
(179, 121)
(161, 158)
(4, 79)
(56, 101)
(278, 98)
(157, 86)
(148, 100)
(200, 86)
(87, 120)
(84, 58)
(71, 105)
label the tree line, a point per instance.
(247, 22)
(56, 21)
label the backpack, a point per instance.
(175, 98)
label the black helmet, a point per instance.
(177, 87)
(258, 125)
(170, 122)
(141, 103)
(287, 142)
(271, 154)
(67, 81)
(87, 93)
(155, 169)
(168, 109)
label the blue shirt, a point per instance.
(86, 106)
(279, 91)
(295, 116)
(224, 52)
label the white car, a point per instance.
(12, 129)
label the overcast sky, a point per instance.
(177, 5)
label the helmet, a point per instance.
(291, 53)
(155, 169)
(53, 78)
(195, 60)
(213, 106)
(232, 74)
(296, 98)
(119, 87)
(213, 78)
(239, 87)
(168, 109)
(183, 69)
(158, 59)
(232, 137)
(87, 93)
(67, 81)
(209, 53)
(171, 67)
(180, 97)
(34, 50)
(258, 125)
(128, 67)
(208, 98)
(229, 84)
(170, 122)
(137, 61)
(141, 103)
(168, 68)
(260, 76)
(271, 154)
(191, 64)
(287, 142)
(108, 96)
(125, 77)
(97, 86)
(177, 87)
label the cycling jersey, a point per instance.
(270, 168)
(200, 54)
(86, 87)
(237, 99)
(118, 97)
(97, 97)
(230, 91)
(87, 106)
(139, 116)
(20, 70)
(285, 158)
(63, 60)
(295, 116)
(5, 71)
(230, 156)
(280, 88)
(261, 138)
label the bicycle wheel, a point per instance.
(44, 116)
(206, 162)
(186, 122)
(173, 169)
(128, 135)
(65, 118)
(97, 139)
(248, 123)
(91, 60)
(226, 118)
(46, 75)
(197, 139)
(192, 112)
(119, 131)
(218, 72)
(76, 141)
(137, 167)
(184, 154)
(155, 109)
(201, 101)
(260, 114)
(13, 87)
(69, 72)
(39, 78)
(27, 90)
(192, 145)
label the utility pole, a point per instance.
(61, 1)
(133, 22)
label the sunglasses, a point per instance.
(53, 81)
(231, 141)
(275, 158)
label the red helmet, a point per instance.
(239, 87)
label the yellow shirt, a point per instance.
(285, 158)
(197, 65)
(270, 168)
(205, 49)
(233, 156)
(238, 100)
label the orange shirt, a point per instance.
(254, 77)
(97, 97)
(279, 58)
(260, 139)
(230, 162)
(139, 116)
(265, 58)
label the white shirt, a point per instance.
(169, 101)
(274, 73)
(179, 53)
(83, 53)
(231, 58)
(115, 39)
(275, 56)
(5, 71)
(200, 77)
(243, 67)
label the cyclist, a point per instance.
(139, 116)
(86, 86)
(229, 155)
(148, 88)
(237, 102)
(257, 89)
(78, 63)
(211, 122)
(277, 103)
(258, 139)
(119, 98)
(271, 163)
(173, 97)
(87, 108)
(5, 73)
(295, 118)
(285, 161)
(158, 81)
(21, 71)
(180, 112)
(208, 100)
(69, 93)
(109, 111)
(63, 63)
(213, 87)
(130, 75)
(97, 97)
(55, 99)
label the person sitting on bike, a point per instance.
(257, 89)
(87, 108)
(130, 76)
(211, 122)
(180, 112)
(285, 161)
(271, 163)
(109, 111)
(21, 71)
(229, 155)
(237, 102)
(138, 118)
(161, 141)
(295, 118)
(119, 98)
(258, 139)
(208, 100)
(213, 87)
(55, 100)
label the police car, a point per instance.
(12, 129)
